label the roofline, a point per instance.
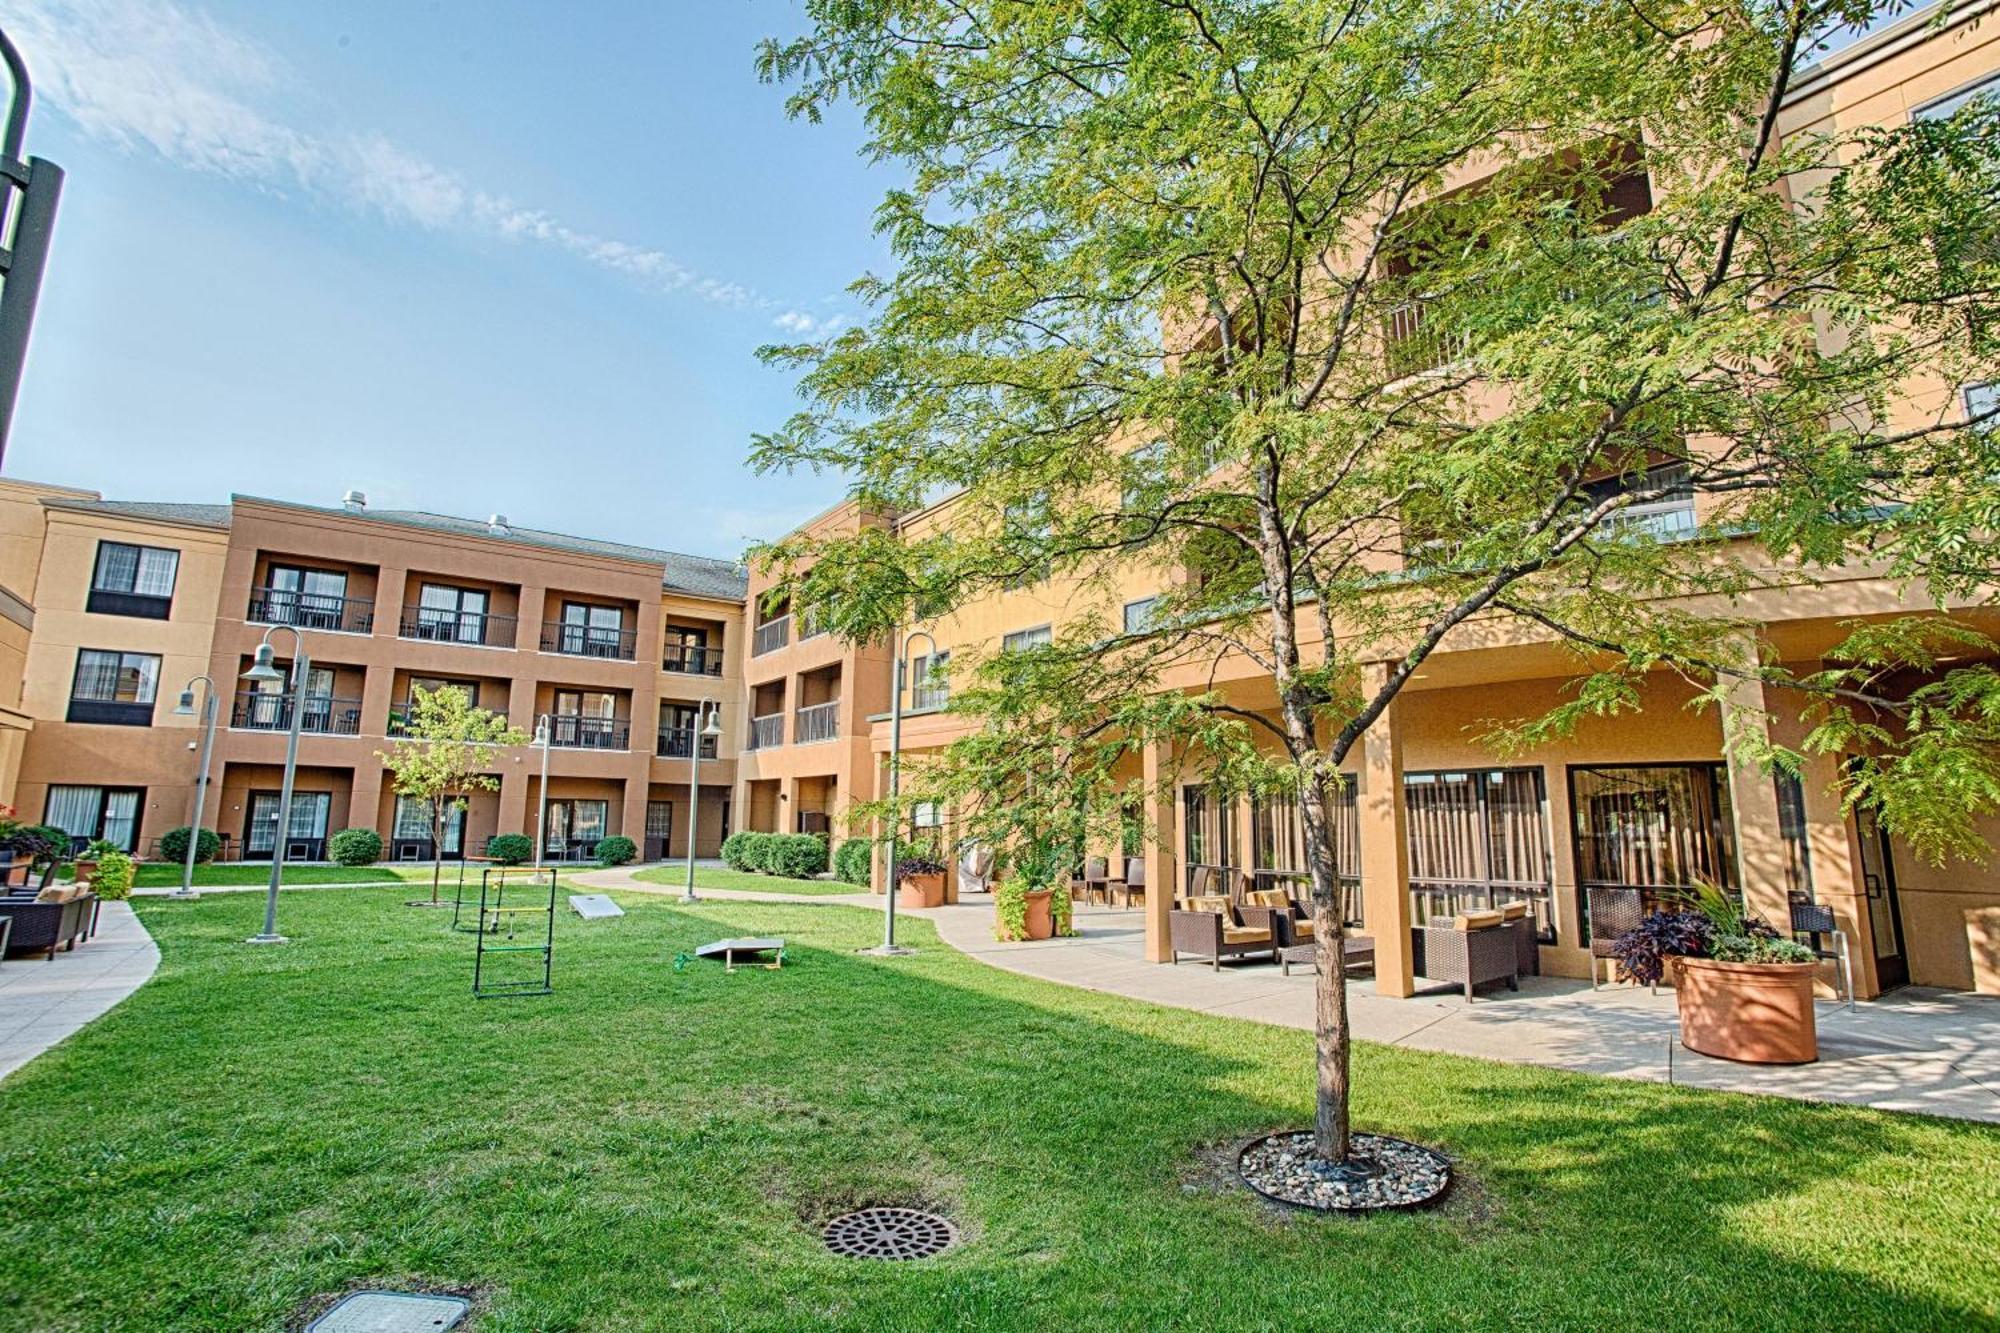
(1913, 29)
(79, 505)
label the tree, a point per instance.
(1193, 284)
(447, 747)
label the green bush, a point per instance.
(736, 850)
(616, 850)
(115, 872)
(510, 849)
(854, 862)
(356, 846)
(174, 845)
(757, 848)
(45, 842)
(798, 855)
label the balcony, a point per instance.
(678, 743)
(325, 715)
(311, 610)
(1411, 348)
(690, 660)
(817, 722)
(771, 636)
(590, 641)
(569, 731)
(767, 733)
(437, 625)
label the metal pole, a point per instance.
(301, 664)
(694, 792)
(41, 186)
(17, 107)
(895, 818)
(186, 889)
(547, 728)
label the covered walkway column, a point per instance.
(1385, 845)
(1761, 854)
(1162, 874)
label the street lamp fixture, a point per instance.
(186, 709)
(709, 730)
(264, 671)
(888, 947)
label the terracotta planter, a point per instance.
(1039, 922)
(920, 891)
(1759, 1013)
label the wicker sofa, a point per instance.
(42, 926)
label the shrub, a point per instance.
(115, 872)
(854, 862)
(757, 852)
(616, 850)
(46, 842)
(1642, 951)
(356, 846)
(797, 855)
(98, 847)
(1758, 949)
(736, 850)
(917, 863)
(174, 845)
(510, 849)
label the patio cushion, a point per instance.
(1476, 920)
(1303, 929)
(55, 893)
(1513, 911)
(1244, 934)
(1268, 898)
(1210, 902)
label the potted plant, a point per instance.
(1745, 992)
(1026, 905)
(919, 880)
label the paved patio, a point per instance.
(42, 1001)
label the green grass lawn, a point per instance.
(649, 1149)
(674, 873)
(160, 875)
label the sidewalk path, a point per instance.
(1925, 1050)
(43, 1001)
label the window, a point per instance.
(1655, 826)
(453, 614)
(1209, 827)
(305, 831)
(1792, 828)
(90, 813)
(400, 714)
(114, 688)
(592, 631)
(1988, 87)
(587, 719)
(575, 828)
(1021, 640)
(1983, 400)
(1663, 519)
(930, 677)
(133, 580)
(1139, 615)
(411, 831)
(1479, 838)
(308, 598)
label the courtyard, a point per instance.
(253, 1131)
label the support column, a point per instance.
(1157, 810)
(1837, 867)
(1761, 854)
(788, 801)
(1385, 845)
(516, 815)
(364, 802)
(638, 790)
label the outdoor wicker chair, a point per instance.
(1816, 922)
(1097, 879)
(1471, 958)
(1208, 927)
(46, 926)
(1613, 911)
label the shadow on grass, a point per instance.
(650, 1147)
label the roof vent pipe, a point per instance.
(497, 524)
(355, 500)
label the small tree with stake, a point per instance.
(1191, 285)
(448, 746)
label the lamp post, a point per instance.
(544, 741)
(186, 709)
(263, 672)
(889, 947)
(707, 730)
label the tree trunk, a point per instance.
(437, 849)
(1330, 1035)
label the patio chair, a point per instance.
(1291, 922)
(1134, 883)
(1097, 879)
(1613, 911)
(43, 926)
(1816, 922)
(1207, 927)
(1471, 955)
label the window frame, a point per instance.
(106, 600)
(1015, 641)
(113, 711)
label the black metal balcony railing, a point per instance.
(771, 636)
(324, 714)
(817, 722)
(678, 743)
(311, 610)
(568, 731)
(590, 640)
(693, 660)
(435, 625)
(767, 733)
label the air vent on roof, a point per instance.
(356, 500)
(497, 524)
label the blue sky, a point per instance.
(461, 254)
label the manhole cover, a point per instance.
(889, 1233)
(391, 1312)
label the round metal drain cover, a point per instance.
(889, 1233)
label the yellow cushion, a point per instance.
(1245, 934)
(1476, 920)
(1209, 902)
(1268, 898)
(1302, 929)
(1513, 911)
(54, 893)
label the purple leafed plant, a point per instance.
(1642, 951)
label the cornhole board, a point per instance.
(593, 906)
(392, 1312)
(750, 948)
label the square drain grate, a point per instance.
(391, 1312)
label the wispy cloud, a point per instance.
(805, 325)
(155, 76)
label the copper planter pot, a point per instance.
(1758, 1013)
(1039, 922)
(920, 891)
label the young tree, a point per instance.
(1194, 283)
(447, 747)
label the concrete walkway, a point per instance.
(42, 1001)
(1932, 1051)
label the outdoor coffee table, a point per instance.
(1359, 951)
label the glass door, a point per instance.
(659, 830)
(592, 631)
(311, 598)
(1885, 912)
